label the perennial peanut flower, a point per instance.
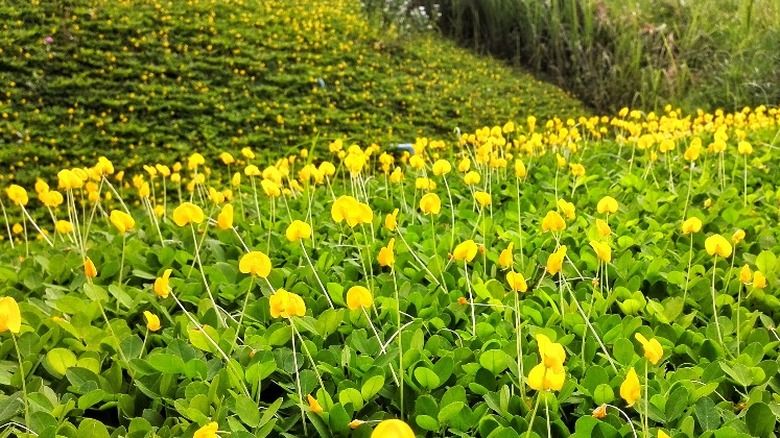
(603, 228)
(652, 348)
(161, 284)
(542, 378)
(392, 429)
(471, 178)
(745, 275)
(505, 259)
(759, 280)
(297, 231)
(152, 321)
(603, 251)
(225, 217)
(441, 167)
(516, 281)
(255, 263)
(122, 221)
(630, 390)
(607, 204)
(63, 227)
(207, 431)
(691, 225)
(555, 260)
(483, 198)
(89, 268)
(717, 245)
(10, 316)
(567, 208)
(17, 194)
(314, 405)
(359, 296)
(391, 220)
(386, 255)
(553, 222)
(738, 236)
(286, 304)
(465, 251)
(187, 213)
(430, 203)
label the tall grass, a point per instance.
(645, 53)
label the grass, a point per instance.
(646, 54)
(142, 80)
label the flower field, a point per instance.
(600, 276)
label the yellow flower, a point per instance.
(51, 198)
(516, 281)
(567, 208)
(603, 228)
(465, 251)
(314, 405)
(430, 203)
(89, 268)
(553, 222)
(471, 178)
(603, 251)
(354, 424)
(630, 389)
(252, 170)
(195, 160)
(542, 378)
(738, 236)
(607, 204)
(441, 167)
(483, 198)
(600, 412)
(662, 434)
(505, 259)
(63, 227)
(392, 429)
(653, 350)
(717, 245)
(692, 152)
(391, 220)
(207, 431)
(386, 255)
(577, 169)
(346, 208)
(464, 165)
(10, 316)
(17, 228)
(745, 274)
(744, 148)
(227, 158)
(691, 225)
(555, 260)
(152, 321)
(759, 280)
(161, 286)
(359, 296)
(551, 353)
(255, 263)
(225, 217)
(520, 170)
(68, 180)
(270, 188)
(122, 221)
(187, 213)
(247, 153)
(17, 194)
(144, 191)
(286, 304)
(298, 230)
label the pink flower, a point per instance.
(48, 40)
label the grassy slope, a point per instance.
(139, 80)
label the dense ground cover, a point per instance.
(142, 80)
(610, 276)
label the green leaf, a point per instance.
(426, 377)
(427, 422)
(95, 292)
(449, 411)
(766, 262)
(247, 410)
(166, 363)
(494, 361)
(676, 403)
(760, 420)
(707, 414)
(372, 386)
(93, 429)
(58, 360)
(623, 351)
(351, 395)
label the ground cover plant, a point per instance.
(603, 276)
(143, 80)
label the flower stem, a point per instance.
(533, 415)
(23, 376)
(714, 306)
(471, 300)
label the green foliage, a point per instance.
(145, 80)
(705, 54)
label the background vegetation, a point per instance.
(646, 53)
(141, 80)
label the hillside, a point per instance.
(141, 80)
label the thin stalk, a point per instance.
(714, 307)
(7, 225)
(203, 276)
(298, 380)
(452, 212)
(23, 376)
(311, 265)
(122, 258)
(688, 271)
(533, 415)
(308, 355)
(518, 327)
(471, 300)
(400, 343)
(592, 330)
(243, 311)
